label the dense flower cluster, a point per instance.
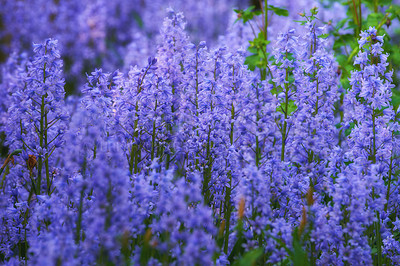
(195, 159)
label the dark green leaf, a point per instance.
(341, 23)
(324, 36)
(250, 258)
(374, 19)
(252, 61)
(299, 256)
(278, 10)
(302, 22)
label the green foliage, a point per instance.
(298, 255)
(253, 61)
(258, 57)
(348, 130)
(278, 11)
(136, 16)
(237, 249)
(291, 107)
(396, 99)
(371, 3)
(250, 258)
(247, 14)
(374, 19)
(324, 36)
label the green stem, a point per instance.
(207, 171)
(46, 162)
(41, 136)
(266, 19)
(374, 137)
(313, 257)
(3, 179)
(79, 221)
(134, 160)
(228, 211)
(359, 12)
(356, 20)
(15, 152)
(153, 136)
(258, 149)
(378, 240)
(197, 103)
(228, 191)
(284, 129)
(389, 180)
(377, 225)
(341, 117)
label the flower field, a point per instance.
(199, 132)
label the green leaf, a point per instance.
(324, 36)
(278, 10)
(250, 258)
(302, 22)
(348, 131)
(371, 3)
(252, 61)
(340, 24)
(136, 16)
(247, 14)
(252, 50)
(374, 251)
(290, 108)
(299, 256)
(374, 19)
(394, 10)
(345, 39)
(395, 98)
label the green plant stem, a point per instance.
(374, 137)
(3, 179)
(228, 191)
(134, 160)
(197, 102)
(389, 180)
(209, 159)
(228, 211)
(79, 221)
(356, 20)
(341, 117)
(8, 159)
(207, 171)
(40, 161)
(359, 12)
(377, 225)
(258, 149)
(46, 161)
(153, 135)
(266, 19)
(378, 239)
(284, 129)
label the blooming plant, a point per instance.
(275, 143)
